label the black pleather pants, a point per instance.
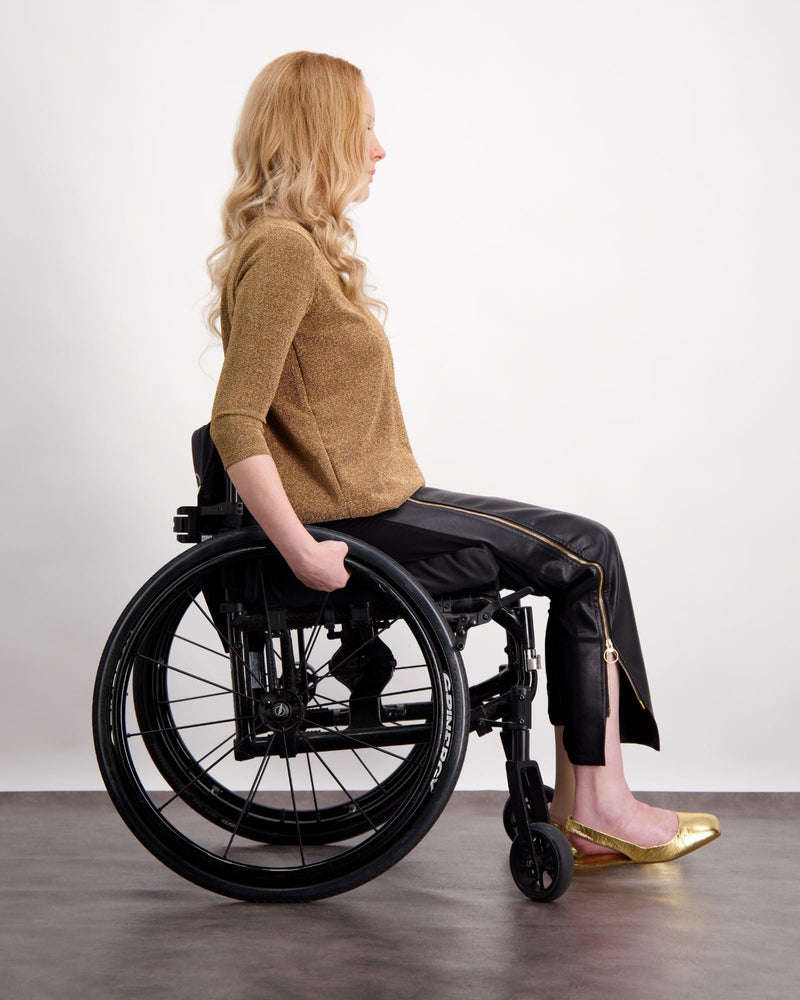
(570, 559)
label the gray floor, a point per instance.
(87, 912)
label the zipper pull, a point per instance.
(610, 655)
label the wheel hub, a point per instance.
(281, 711)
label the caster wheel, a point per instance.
(554, 858)
(510, 820)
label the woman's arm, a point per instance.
(273, 291)
(319, 565)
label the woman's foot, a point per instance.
(694, 830)
(617, 828)
(632, 821)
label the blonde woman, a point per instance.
(308, 425)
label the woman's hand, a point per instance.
(320, 566)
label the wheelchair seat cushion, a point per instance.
(472, 569)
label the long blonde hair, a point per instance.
(301, 152)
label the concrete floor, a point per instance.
(87, 912)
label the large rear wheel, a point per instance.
(269, 742)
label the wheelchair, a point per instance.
(272, 743)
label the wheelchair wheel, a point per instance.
(273, 743)
(546, 876)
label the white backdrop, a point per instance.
(586, 229)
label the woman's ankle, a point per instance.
(564, 785)
(560, 813)
(617, 807)
(632, 820)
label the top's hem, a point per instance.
(350, 511)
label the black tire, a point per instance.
(189, 779)
(553, 859)
(509, 820)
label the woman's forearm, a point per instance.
(317, 564)
(258, 483)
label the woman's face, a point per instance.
(375, 151)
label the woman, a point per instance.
(308, 424)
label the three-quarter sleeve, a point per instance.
(274, 290)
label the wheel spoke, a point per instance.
(377, 781)
(313, 786)
(206, 771)
(200, 645)
(353, 739)
(316, 628)
(187, 725)
(225, 640)
(353, 801)
(294, 802)
(186, 673)
(246, 807)
(269, 645)
(194, 697)
(369, 697)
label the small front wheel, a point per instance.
(509, 820)
(546, 876)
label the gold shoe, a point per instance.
(694, 830)
(563, 829)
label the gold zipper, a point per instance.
(610, 653)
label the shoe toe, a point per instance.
(696, 829)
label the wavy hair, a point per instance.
(301, 152)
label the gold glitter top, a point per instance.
(308, 378)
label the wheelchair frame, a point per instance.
(279, 714)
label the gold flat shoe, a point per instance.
(694, 830)
(563, 829)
